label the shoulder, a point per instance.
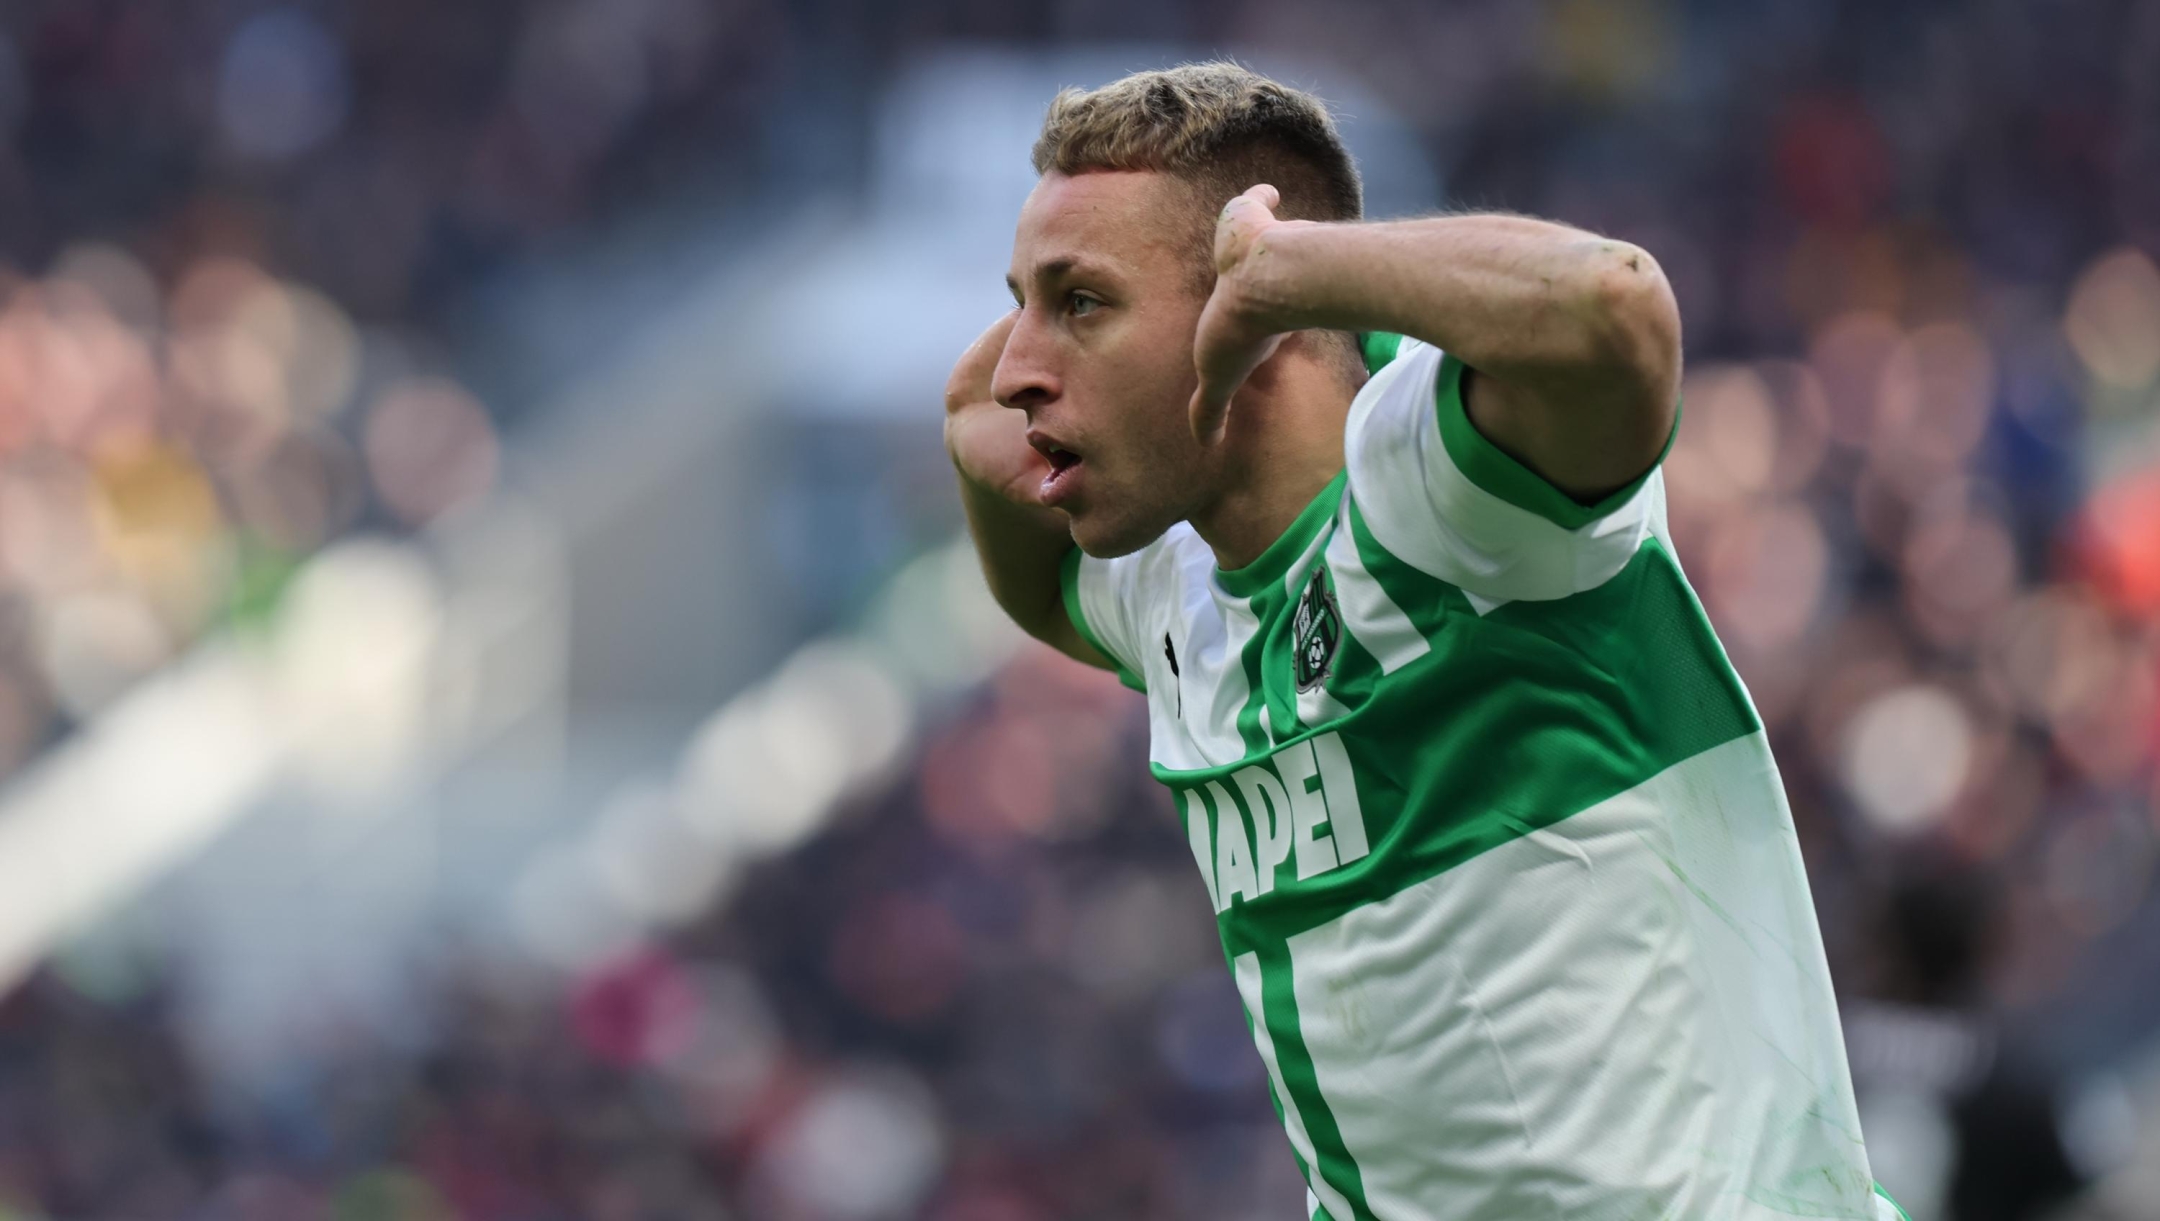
(1393, 426)
(1396, 403)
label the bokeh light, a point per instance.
(1907, 755)
(281, 88)
(2113, 322)
(430, 448)
(862, 1147)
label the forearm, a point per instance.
(1021, 548)
(1524, 300)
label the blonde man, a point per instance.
(1372, 514)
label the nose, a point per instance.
(1026, 375)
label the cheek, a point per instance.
(1164, 466)
(1163, 378)
(1155, 433)
(1145, 383)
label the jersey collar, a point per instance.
(1274, 563)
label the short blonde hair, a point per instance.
(1218, 127)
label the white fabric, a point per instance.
(1626, 1014)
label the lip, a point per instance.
(1062, 481)
(1061, 484)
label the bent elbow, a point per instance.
(1635, 316)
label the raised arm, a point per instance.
(1574, 338)
(1021, 543)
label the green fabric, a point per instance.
(1426, 600)
(1893, 1202)
(1261, 585)
(1069, 583)
(1378, 348)
(1266, 604)
(1304, 1169)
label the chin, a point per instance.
(1106, 538)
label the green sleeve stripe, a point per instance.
(1378, 348)
(1487, 466)
(1893, 1203)
(1069, 583)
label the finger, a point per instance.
(1261, 195)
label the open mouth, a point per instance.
(1064, 463)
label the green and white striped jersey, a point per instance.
(1499, 856)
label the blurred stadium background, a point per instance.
(496, 722)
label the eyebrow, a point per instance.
(1050, 270)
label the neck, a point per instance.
(1288, 432)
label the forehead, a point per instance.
(1132, 220)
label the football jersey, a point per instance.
(1497, 850)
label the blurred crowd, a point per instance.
(1917, 486)
(987, 994)
(237, 244)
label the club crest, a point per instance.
(1315, 630)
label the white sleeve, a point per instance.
(1442, 498)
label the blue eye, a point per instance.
(1080, 300)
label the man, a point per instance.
(1371, 513)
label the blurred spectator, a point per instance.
(1963, 1116)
